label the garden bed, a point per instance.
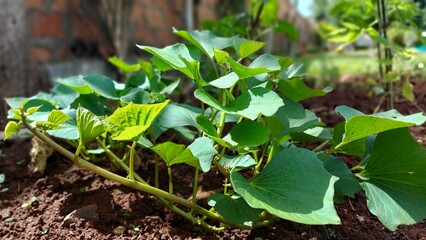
(123, 213)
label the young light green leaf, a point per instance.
(391, 77)
(220, 56)
(226, 81)
(89, 126)
(347, 185)
(173, 153)
(205, 40)
(101, 85)
(245, 47)
(11, 129)
(394, 180)
(249, 104)
(33, 110)
(234, 209)
(408, 91)
(129, 122)
(293, 186)
(203, 149)
(263, 64)
(360, 126)
(57, 117)
(123, 66)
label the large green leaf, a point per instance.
(129, 122)
(77, 84)
(394, 179)
(294, 117)
(295, 70)
(173, 56)
(354, 148)
(173, 153)
(63, 95)
(136, 95)
(234, 209)
(249, 104)
(89, 125)
(202, 148)
(293, 186)
(263, 64)
(247, 133)
(347, 185)
(101, 85)
(205, 40)
(296, 90)
(123, 66)
(226, 81)
(360, 126)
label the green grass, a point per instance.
(326, 68)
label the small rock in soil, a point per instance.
(119, 230)
(87, 212)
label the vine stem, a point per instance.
(169, 172)
(195, 186)
(130, 183)
(131, 162)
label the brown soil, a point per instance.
(65, 188)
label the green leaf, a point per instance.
(89, 125)
(57, 117)
(391, 77)
(263, 64)
(315, 134)
(294, 117)
(63, 95)
(347, 185)
(96, 104)
(11, 129)
(136, 95)
(293, 186)
(234, 209)
(77, 84)
(408, 91)
(226, 81)
(295, 70)
(296, 90)
(249, 104)
(205, 40)
(173, 55)
(132, 120)
(33, 110)
(206, 126)
(354, 148)
(203, 149)
(123, 66)
(220, 56)
(173, 153)
(101, 85)
(360, 126)
(245, 47)
(248, 133)
(288, 29)
(237, 162)
(394, 179)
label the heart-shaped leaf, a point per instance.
(173, 153)
(202, 148)
(234, 209)
(246, 47)
(394, 179)
(293, 186)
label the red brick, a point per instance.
(59, 5)
(106, 51)
(154, 18)
(205, 13)
(174, 20)
(35, 4)
(143, 35)
(178, 5)
(46, 25)
(39, 53)
(84, 28)
(161, 3)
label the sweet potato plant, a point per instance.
(246, 124)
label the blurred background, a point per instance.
(41, 40)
